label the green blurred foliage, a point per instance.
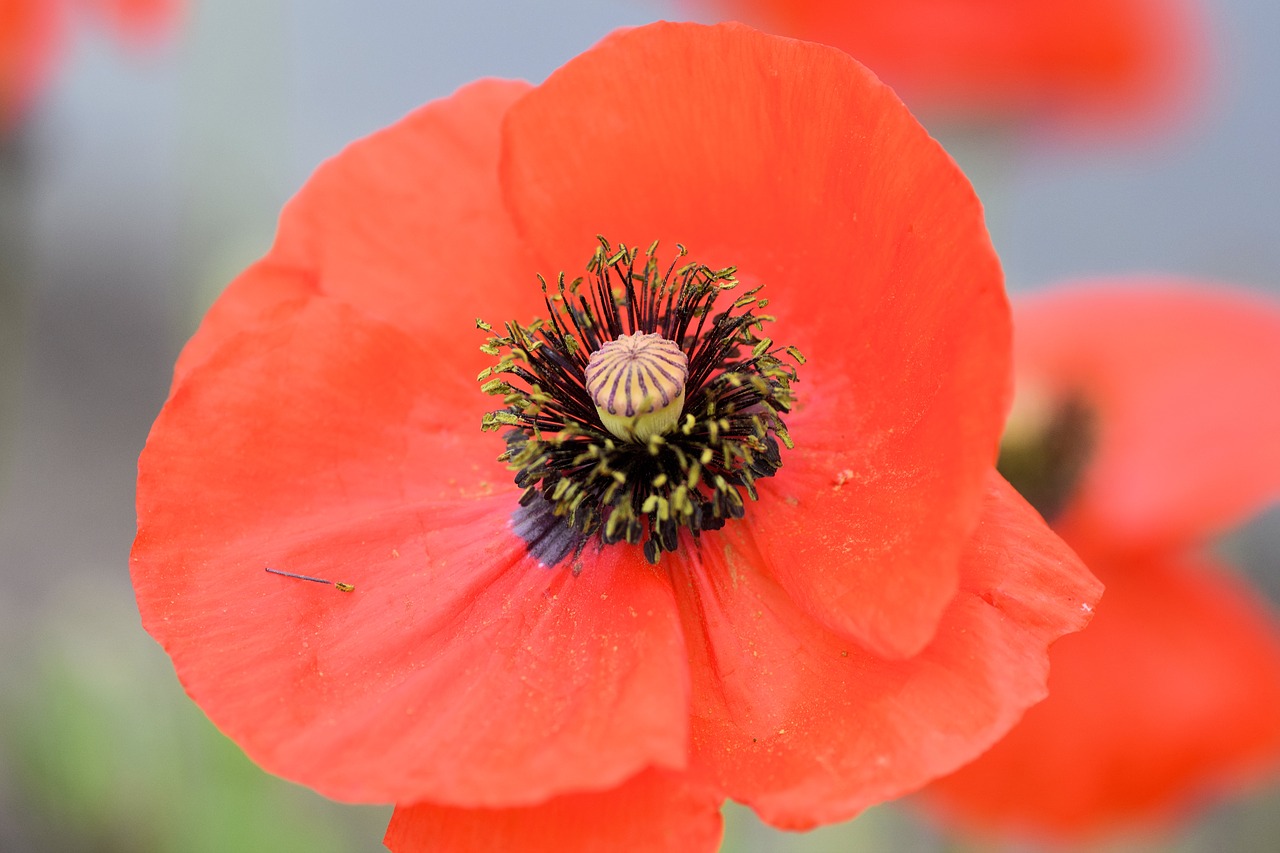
(108, 754)
(884, 828)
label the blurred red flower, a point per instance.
(1173, 694)
(134, 20)
(32, 33)
(1005, 59)
(878, 617)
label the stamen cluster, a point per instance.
(578, 474)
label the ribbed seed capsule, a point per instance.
(637, 384)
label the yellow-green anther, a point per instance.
(637, 384)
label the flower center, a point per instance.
(633, 410)
(1046, 446)
(637, 383)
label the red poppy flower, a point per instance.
(135, 20)
(1005, 58)
(31, 35)
(27, 29)
(1174, 692)
(878, 616)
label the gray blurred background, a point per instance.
(143, 181)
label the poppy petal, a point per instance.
(1173, 372)
(459, 669)
(1001, 58)
(31, 36)
(377, 227)
(1173, 693)
(792, 162)
(137, 20)
(654, 812)
(807, 729)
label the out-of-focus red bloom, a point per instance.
(135, 20)
(32, 33)
(1173, 694)
(967, 59)
(28, 30)
(878, 617)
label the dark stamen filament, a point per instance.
(339, 585)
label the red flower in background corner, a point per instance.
(32, 33)
(1160, 411)
(878, 615)
(28, 37)
(1002, 59)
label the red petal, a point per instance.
(791, 161)
(406, 225)
(31, 34)
(1172, 693)
(807, 729)
(655, 812)
(459, 670)
(138, 20)
(1183, 381)
(1005, 56)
